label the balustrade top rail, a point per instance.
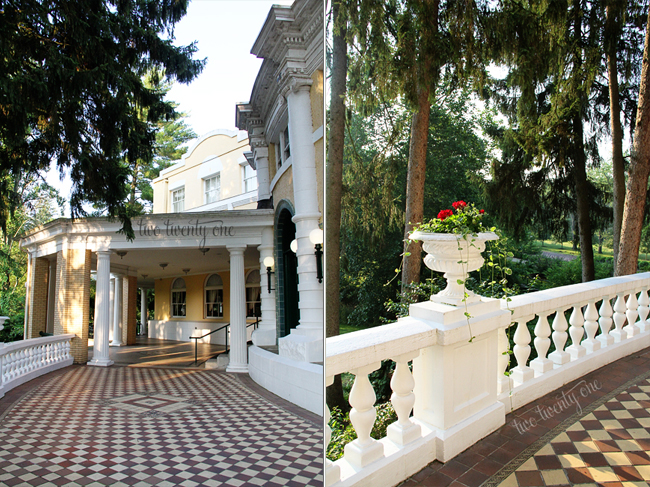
(528, 305)
(347, 352)
(30, 342)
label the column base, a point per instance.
(237, 368)
(101, 362)
(116, 344)
(301, 347)
(264, 338)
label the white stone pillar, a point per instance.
(112, 308)
(28, 292)
(266, 334)
(305, 341)
(261, 156)
(51, 296)
(238, 352)
(143, 310)
(102, 310)
(117, 313)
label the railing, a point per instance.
(196, 339)
(458, 391)
(25, 360)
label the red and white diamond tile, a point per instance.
(165, 427)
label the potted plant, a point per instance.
(453, 242)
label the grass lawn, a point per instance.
(343, 329)
(567, 248)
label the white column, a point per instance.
(143, 310)
(51, 297)
(28, 292)
(261, 156)
(238, 352)
(112, 308)
(266, 335)
(117, 313)
(305, 341)
(102, 310)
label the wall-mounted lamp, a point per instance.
(121, 253)
(316, 238)
(294, 246)
(269, 263)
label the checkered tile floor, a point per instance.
(144, 426)
(609, 446)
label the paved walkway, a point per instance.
(120, 426)
(155, 352)
(592, 432)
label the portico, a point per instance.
(168, 251)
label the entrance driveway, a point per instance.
(144, 426)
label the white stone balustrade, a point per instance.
(25, 360)
(453, 392)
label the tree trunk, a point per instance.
(334, 178)
(618, 168)
(582, 196)
(635, 197)
(415, 186)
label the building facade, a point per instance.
(235, 237)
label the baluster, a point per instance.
(643, 309)
(605, 321)
(542, 343)
(332, 472)
(522, 373)
(576, 331)
(67, 350)
(59, 351)
(363, 450)
(560, 326)
(48, 352)
(504, 382)
(619, 333)
(591, 327)
(632, 304)
(403, 430)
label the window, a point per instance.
(178, 200)
(212, 188)
(253, 292)
(250, 179)
(214, 297)
(179, 297)
(283, 148)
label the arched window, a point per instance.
(214, 297)
(179, 297)
(253, 292)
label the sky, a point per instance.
(225, 31)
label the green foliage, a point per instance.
(343, 432)
(464, 219)
(72, 90)
(39, 203)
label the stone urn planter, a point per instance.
(456, 256)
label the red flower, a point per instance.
(444, 214)
(481, 211)
(459, 204)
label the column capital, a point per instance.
(236, 249)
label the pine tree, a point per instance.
(72, 90)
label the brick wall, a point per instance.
(37, 318)
(129, 307)
(72, 306)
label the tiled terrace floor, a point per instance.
(155, 352)
(594, 431)
(118, 426)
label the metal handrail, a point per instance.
(196, 342)
(196, 339)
